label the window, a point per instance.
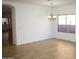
(66, 23)
(4, 20)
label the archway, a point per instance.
(8, 18)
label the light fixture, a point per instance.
(51, 17)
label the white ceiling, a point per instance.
(46, 2)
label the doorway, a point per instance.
(7, 37)
(8, 29)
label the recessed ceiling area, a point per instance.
(47, 2)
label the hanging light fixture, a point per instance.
(51, 17)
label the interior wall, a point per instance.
(64, 10)
(32, 23)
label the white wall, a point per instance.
(31, 22)
(64, 10)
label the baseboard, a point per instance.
(22, 43)
(66, 39)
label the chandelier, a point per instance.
(51, 17)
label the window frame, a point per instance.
(66, 21)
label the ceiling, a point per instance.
(47, 2)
